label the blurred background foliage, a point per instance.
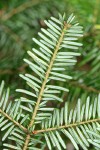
(21, 20)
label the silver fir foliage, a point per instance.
(29, 119)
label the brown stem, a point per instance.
(27, 141)
(66, 126)
(45, 81)
(12, 34)
(46, 77)
(15, 122)
(20, 9)
(83, 86)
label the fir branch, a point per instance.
(19, 9)
(85, 87)
(15, 122)
(45, 65)
(12, 34)
(66, 126)
(45, 81)
(47, 74)
(26, 142)
(72, 123)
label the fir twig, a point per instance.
(15, 122)
(66, 126)
(45, 81)
(20, 9)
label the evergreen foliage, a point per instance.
(30, 122)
